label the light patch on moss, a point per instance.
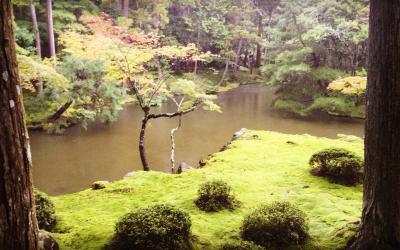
(349, 85)
(271, 167)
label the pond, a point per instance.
(71, 162)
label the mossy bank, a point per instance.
(263, 168)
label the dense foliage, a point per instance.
(339, 165)
(214, 196)
(162, 227)
(276, 226)
(45, 211)
(301, 46)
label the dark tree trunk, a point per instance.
(18, 224)
(147, 116)
(50, 29)
(257, 62)
(126, 8)
(142, 135)
(380, 225)
(60, 111)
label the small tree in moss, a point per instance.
(214, 196)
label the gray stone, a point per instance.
(130, 174)
(183, 167)
(46, 242)
(239, 133)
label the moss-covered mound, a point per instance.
(160, 227)
(241, 245)
(215, 196)
(338, 165)
(45, 211)
(258, 170)
(276, 226)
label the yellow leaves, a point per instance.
(178, 52)
(34, 71)
(349, 85)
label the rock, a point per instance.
(239, 133)
(183, 167)
(202, 162)
(130, 174)
(46, 242)
(99, 185)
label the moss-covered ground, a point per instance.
(271, 167)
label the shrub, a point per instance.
(160, 227)
(275, 226)
(45, 211)
(339, 165)
(241, 245)
(214, 196)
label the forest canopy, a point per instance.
(303, 48)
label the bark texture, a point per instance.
(18, 224)
(50, 29)
(257, 62)
(148, 116)
(173, 144)
(380, 225)
(237, 59)
(126, 8)
(36, 29)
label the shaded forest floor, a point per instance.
(271, 166)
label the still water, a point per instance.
(71, 162)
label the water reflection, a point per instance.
(71, 162)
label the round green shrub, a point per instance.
(215, 196)
(45, 211)
(338, 165)
(275, 226)
(160, 227)
(241, 245)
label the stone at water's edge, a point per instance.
(239, 133)
(235, 136)
(183, 167)
(46, 242)
(202, 162)
(99, 185)
(130, 174)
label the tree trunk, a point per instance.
(18, 224)
(50, 29)
(173, 132)
(126, 8)
(196, 63)
(222, 81)
(257, 62)
(380, 225)
(142, 150)
(36, 29)
(60, 111)
(236, 66)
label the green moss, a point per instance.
(338, 106)
(262, 170)
(291, 106)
